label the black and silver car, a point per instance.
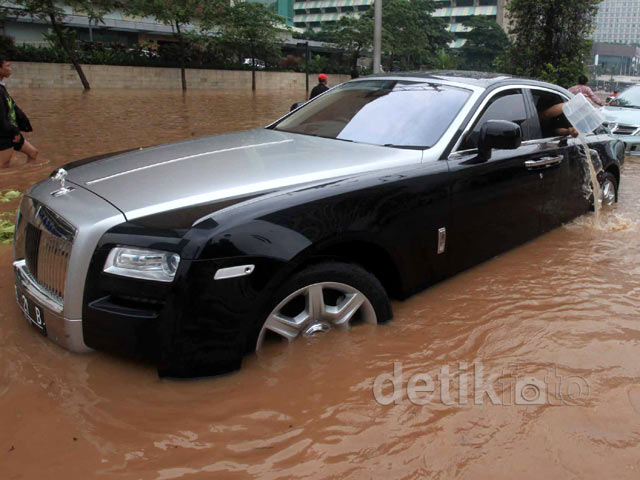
(197, 252)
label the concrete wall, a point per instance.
(59, 75)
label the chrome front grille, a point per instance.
(624, 129)
(46, 257)
(44, 240)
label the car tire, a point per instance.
(320, 297)
(608, 189)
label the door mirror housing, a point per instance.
(500, 134)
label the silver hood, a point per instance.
(626, 116)
(192, 172)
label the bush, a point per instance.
(7, 47)
(290, 62)
(207, 55)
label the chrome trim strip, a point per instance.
(174, 160)
(31, 286)
(232, 272)
(479, 110)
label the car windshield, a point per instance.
(629, 98)
(395, 113)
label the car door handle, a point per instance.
(544, 162)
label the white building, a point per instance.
(618, 21)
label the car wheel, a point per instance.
(608, 190)
(322, 297)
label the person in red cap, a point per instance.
(321, 87)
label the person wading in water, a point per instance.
(321, 87)
(12, 121)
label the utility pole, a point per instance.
(307, 54)
(306, 65)
(377, 36)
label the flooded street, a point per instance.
(561, 312)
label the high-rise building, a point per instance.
(317, 13)
(283, 8)
(618, 21)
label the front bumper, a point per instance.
(631, 143)
(49, 318)
(90, 216)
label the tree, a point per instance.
(446, 61)
(352, 35)
(178, 14)
(550, 38)
(485, 42)
(54, 15)
(410, 34)
(253, 29)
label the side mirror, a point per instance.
(498, 134)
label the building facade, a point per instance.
(317, 13)
(282, 8)
(615, 59)
(618, 21)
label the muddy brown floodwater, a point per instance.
(561, 313)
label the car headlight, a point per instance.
(142, 263)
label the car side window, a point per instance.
(546, 128)
(506, 105)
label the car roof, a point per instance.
(477, 79)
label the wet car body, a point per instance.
(273, 202)
(623, 118)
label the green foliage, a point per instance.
(446, 60)
(550, 39)
(249, 29)
(411, 36)
(177, 14)
(54, 14)
(6, 231)
(318, 63)
(290, 62)
(6, 225)
(8, 47)
(67, 37)
(352, 35)
(9, 195)
(485, 42)
(324, 35)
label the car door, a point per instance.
(496, 203)
(560, 161)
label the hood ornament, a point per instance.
(60, 176)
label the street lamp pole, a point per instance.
(377, 36)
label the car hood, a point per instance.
(222, 167)
(627, 116)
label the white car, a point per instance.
(622, 117)
(259, 63)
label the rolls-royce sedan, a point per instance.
(195, 253)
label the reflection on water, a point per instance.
(565, 304)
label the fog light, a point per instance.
(143, 264)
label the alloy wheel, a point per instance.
(608, 194)
(315, 309)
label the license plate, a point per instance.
(32, 313)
